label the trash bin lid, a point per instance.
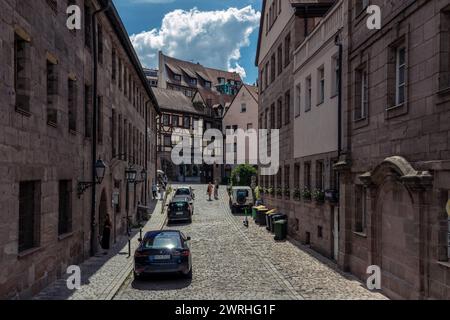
(282, 221)
(271, 212)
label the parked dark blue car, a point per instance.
(165, 251)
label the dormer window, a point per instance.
(177, 77)
(208, 84)
(193, 81)
(221, 80)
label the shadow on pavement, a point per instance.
(57, 290)
(161, 282)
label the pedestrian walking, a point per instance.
(106, 235)
(154, 191)
(216, 190)
(161, 192)
(210, 190)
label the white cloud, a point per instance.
(213, 38)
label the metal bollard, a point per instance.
(129, 247)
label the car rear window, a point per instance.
(242, 193)
(182, 192)
(178, 205)
(163, 240)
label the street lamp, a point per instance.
(130, 174)
(100, 168)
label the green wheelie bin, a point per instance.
(280, 230)
(255, 211)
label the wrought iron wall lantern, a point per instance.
(100, 169)
(131, 175)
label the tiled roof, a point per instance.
(174, 101)
(197, 71)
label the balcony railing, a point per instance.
(325, 30)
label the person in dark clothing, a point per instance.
(106, 233)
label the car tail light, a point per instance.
(185, 253)
(139, 254)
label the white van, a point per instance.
(241, 198)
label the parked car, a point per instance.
(185, 192)
(180, 209)
(241, 198)
(165, 251)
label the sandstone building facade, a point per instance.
(46, 132)
(395, 177)
(388, 158)
(283, 28)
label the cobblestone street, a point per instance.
(233, 262)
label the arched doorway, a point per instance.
(398, 248)
(396, 226)
(102, 212)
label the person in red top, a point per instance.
(210, 190)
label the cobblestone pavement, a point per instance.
(102, 275)
(232, 262)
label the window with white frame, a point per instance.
(361, 5)
(321, 85)
(243, 108)
(400, 78)
(336, 76)
(298, 100)
(361, 93)
(308, 94)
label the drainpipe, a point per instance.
(147, 104)
(338, 43)
(104, 7)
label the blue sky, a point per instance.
(217, 33)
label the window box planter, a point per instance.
(287, 193)
(318, 196)
(279, 192)
(306, 194)
(297, 194)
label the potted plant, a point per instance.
(297, 194)
(306, 194)
(319, 196)
(287, 192)
(279, 192)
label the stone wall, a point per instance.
(32, 149)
